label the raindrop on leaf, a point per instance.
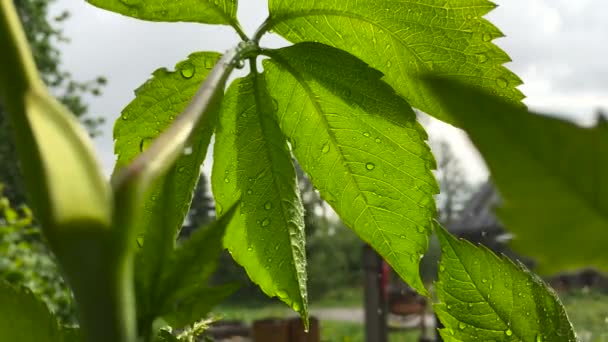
(268, 206)
(187, 70)
(325, 148)
(370, 166)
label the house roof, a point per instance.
(478, 215)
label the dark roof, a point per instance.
(478, 215)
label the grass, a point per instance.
(588, 312)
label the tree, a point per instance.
(455, 187)
(42, 33)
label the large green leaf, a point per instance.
(25, 318)
(550, 174)
(361, 145)
(200, 11)
(487, 298)
(405, 38)
(252, 163)
(157, 103)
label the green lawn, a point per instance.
(587, 311)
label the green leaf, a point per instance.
(183, 291)
(199, 11)
(26, 318)
(487, 298)
(157, 103)
(362, 147)
(252, 163)
(405, 38)
(198, 304)
(549, 172)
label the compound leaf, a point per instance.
(550, 173)
(487, 298)
(362, 147)
(405, 38)
(252, 163)
(199, 11)
(26, 318)
(157, 103)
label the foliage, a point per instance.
(549, 182)
(25, 318)
(27, 262)
(487, 298)
(338, 100)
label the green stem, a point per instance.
(262, 30)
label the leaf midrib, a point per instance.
(268, 144)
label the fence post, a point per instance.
(375, 304)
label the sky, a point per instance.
(558, 48)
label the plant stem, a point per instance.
(262, 30)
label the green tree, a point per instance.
(42, 32)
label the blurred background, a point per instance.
(93, 59)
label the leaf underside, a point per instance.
(361, 146)
(157, 103)
(252, 163)
(199, 11)
(487, 298)
(550, 173)
(403, 39)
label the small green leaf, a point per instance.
(487, 298)
(184, 294)
(25, 318)
(198, 304)
(157, 103)
(550, 174)
(403, 39)
(252, 163)
(199, 11)
(361, 145)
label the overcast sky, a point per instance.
(558, 48)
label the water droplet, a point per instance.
(249, 192)
(461, 326)
(268, 206)
(421, 229)
(226, 180)
(275, 104)
(145, 143)
(250, 249)
(325, 148)
(470, 305)
(209, 63)
(140, 240)
(240, 64)
(370, 166)
(502, 82)
(219, 208)
(378, 140)
(125, 117)
(484, 281)
(469, 16)
(181, 169)
(486, 37)
(187, 70)
(269, 260)
(244, 115)
(366, 134)
(402, 236)
(441, 268)
(389, 64)
(509, 332)
(266, 222)
(482, 58)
